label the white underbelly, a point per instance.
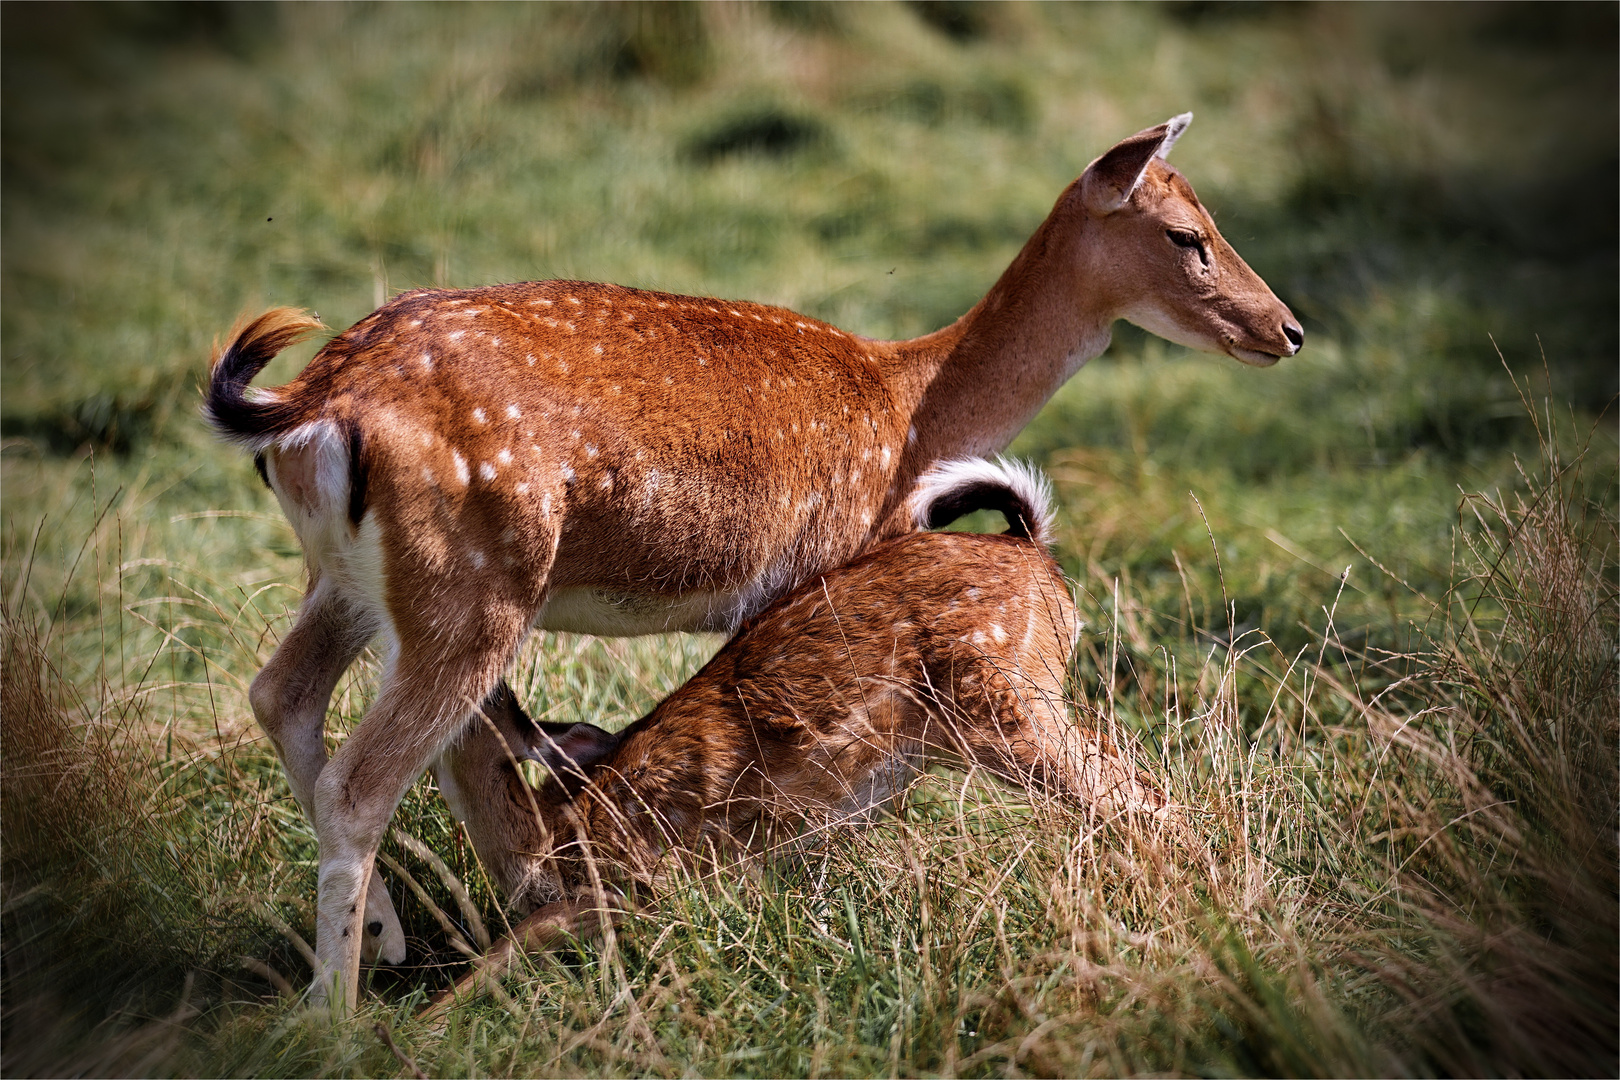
(610, 613)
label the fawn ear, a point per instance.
(571, 753)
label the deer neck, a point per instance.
(978, 382)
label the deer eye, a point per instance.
(1184, 238)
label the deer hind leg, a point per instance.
(1015, 723)
(430, 689)
(289, 699)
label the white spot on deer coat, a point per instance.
(514, 412)
(487, 471)
(478, 415)
(504, 457)
(455, 335)
(427, 361)
(461, 467)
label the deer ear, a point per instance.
(571, 753)
(1108, 182)
(1173, 130)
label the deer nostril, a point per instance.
(1295, 336)
(374, 928)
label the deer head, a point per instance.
(1172, 272)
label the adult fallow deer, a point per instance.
(930, 648)
(462, 466)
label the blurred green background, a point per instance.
(1430, 187)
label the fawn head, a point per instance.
(568, 751)
(1172, 272)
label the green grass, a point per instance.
(1406, 776)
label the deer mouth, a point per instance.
(1252, 357)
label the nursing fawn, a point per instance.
(931, 648)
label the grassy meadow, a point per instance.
(1359, 610)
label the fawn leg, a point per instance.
(542, 931)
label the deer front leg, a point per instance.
(429, 691)
(289, 699)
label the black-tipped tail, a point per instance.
(1018, 492)
(226, 403)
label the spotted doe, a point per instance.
(462, 466)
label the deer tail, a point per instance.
(249, 416)
(1019, 491)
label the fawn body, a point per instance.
(933, 647)
(461, 466)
